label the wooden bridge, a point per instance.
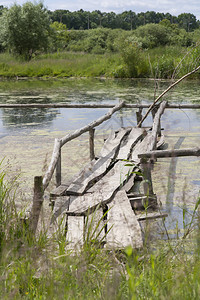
(106, 201)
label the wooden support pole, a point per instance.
(154, 111)
(139, 116)
(58, 170)
(147, 182)
(91, 143)
(37, 203)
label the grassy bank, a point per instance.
(41, 268)
(162, 62)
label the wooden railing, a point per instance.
(59, 143)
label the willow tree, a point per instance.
(25, 29)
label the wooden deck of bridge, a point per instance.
(103, 200)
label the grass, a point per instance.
(40, 267)
(159, 62)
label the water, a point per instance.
(27, 135)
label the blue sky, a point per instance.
(175, 7)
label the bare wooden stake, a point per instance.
(37, 203)
(147, 183)
(139, 116)
(91, 142)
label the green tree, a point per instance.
(25, 29)
(59, 37)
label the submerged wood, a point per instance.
(170, 153)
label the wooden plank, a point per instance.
(59, 191)
(113, 142)
(90, 174)
(134, 136)
(95, 226)
(151, 216)
(101, 192)
(61, 204)
(75, 232)
(122, 222)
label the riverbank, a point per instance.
(161, 63)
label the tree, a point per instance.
(24, 29)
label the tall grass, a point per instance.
(41, 267)
(131, 62)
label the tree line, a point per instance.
(127, 20)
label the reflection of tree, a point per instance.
(22, 116)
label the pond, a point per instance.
(27, 135)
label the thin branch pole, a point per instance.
(94, 106)
(167, 90)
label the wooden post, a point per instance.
(91, 142)
(139, 116)
(58, 170)
(37, 203)
(146, 170)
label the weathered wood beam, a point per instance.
(67, 105)
(156, 124)
(170, 153)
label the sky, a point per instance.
(174, 7)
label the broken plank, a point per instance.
(95, 225)
(122, 223)
(134, 136)
(103, 191)
(90, 175)
(61, 204)
(113, 141)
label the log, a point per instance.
(53, 163)
(170, 153)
